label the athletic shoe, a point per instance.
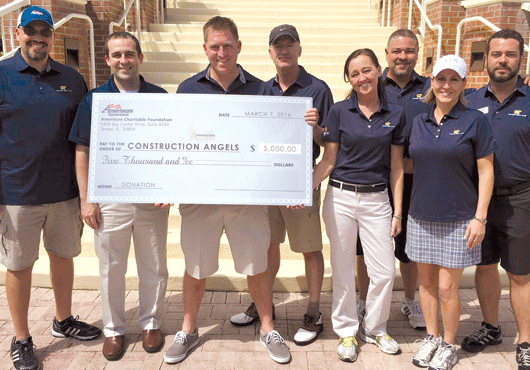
(487, 335)
(309, 330)
(182, 344)
(444, 358)
(249, 316)
(412, 310)
(361, 311)
(22, 354)
(347, 349)
(383, 341)
(72, 327)
(523, 357)
(428, 348)
(274, 342)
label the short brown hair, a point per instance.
(122, 35)
(404, 32)
(219, 23)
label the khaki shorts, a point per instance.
(246, 227)
(302, 226)
(21, 226)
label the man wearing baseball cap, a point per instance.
(302, 225)
(38, 189)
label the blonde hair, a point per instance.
(430, 98)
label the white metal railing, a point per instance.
(124, 16)
(16, 5)
(492, 27)
(431, 26)
(8, 10)
(159, 10)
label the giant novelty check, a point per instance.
(200, 149)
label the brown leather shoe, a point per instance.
(152, 340)
(113, 348)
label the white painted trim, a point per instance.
(468, 4)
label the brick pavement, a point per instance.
(225, 347)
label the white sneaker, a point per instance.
(444, 358)
(383, 341)
(347, 349)
(428, 348)
(412, 310)
(361, 311)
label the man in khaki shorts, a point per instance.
(302, 225)
(38, 190)
(246, 226)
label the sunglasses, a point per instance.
(30, 31)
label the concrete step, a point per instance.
(377, 37)
(246, 15)
(235, 4)
(306, 28)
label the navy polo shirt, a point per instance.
(364, 144)
(510, 123)
(245, 84)
(410, 96)
(80, 133)
(445, 186)
(36, 113)
(308, 86)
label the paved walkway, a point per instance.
(225, 347)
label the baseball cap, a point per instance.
(453, 62)
(34, 13)
(284, 29)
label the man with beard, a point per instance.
(38, 190)
(506, 103)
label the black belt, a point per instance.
(357, 188)
(512, 190)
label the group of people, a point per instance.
(412, 163)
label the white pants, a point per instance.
(148, 226)
(345, 213)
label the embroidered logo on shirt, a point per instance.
(63, 88)
(517, 113)
(325, 133)
(388, 125)
(484, 110)
(456, 132)
(418, 96)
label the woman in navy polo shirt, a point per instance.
(363, 151)
(451, 147)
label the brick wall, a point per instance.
(448, 13)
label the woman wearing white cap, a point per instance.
(452, 150)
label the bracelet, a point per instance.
(483, 221)
(398, 217)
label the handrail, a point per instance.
(92, 46)
(8, 9)
(492, 27)
(124, 15)
(431, 26)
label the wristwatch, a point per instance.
(481, 220)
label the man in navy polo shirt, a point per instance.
(302, 225)
(405, 88)
(506, 103)
(38, 191)
(115, 223)
(247, 227)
